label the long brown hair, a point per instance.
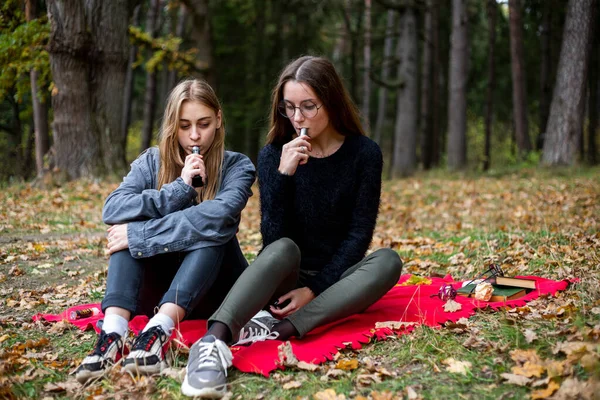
(172, 156)
(320, 74)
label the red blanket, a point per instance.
(401, 303)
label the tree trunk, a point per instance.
(385, 73)
(258, 76)
(40, 108)
(568, 101)
(426, 89)
(76, 142)
(517, 58)
(201, 36)
(366, 100)
(128, 92)
(545, 68)
(435, 86)
(492, 9)
(594, 89)
(179, 30)
(405, 148)
(150, 92)
(109, 71)
(457, 82)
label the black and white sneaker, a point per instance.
(258, 329)
(108, 350)
(148, 352)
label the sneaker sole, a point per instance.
(207, 393)
(136, 369)
(84, 376)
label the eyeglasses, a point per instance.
(308, 108)
(488, 275)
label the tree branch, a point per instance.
(392, 85)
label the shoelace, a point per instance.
(147, 339)
(213, 354)
(260, 334)
(104, 342)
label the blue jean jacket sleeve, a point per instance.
(210, 223)
(136, 197)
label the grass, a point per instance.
(529, 221)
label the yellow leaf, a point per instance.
(347, 365)
(328, 394)
(545, 393)
(416, 280)
(529, 370)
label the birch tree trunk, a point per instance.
(568, 100)
(40, 108)
(457, 83)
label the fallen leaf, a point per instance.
(545, 393)
(452, 306)
(522, 356)
(529, 370)
(394, 324)
(513, 379)
(411, 393)
(456, 366)
(328, 394)
(530, 335)
(416, 280)
(347, 365)
(387, 395)
(286, 355)
(307, 366)
(292, 385)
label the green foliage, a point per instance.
(22, 48)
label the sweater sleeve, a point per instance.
(276, 194)
(362, 224)
(210, 223)
(136, 199)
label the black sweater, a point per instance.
(328, 207)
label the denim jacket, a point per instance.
(168, 220)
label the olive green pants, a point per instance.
(276, 271)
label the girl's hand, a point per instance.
(194, 166)
(293, 154)
(117, 238)
(298, 299)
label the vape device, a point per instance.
(197, 180)
(303, 131)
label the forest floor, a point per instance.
(544, 223)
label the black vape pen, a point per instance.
(197, 180)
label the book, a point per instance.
(500, 293)
(515, 282)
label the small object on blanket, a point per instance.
(83, 313)
(483, 291)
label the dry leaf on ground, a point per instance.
(452, 306)
(516, 379)
(456, 366)
(328, 394)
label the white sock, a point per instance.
(162, 320)
(115, 323)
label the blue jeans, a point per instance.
(197, 280)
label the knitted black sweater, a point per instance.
(328, 207)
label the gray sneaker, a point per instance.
(206, 370)
(258, 329)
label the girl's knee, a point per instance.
(281, 254)
(389, 264)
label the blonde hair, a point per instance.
(172, 155)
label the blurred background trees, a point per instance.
(458, 84)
